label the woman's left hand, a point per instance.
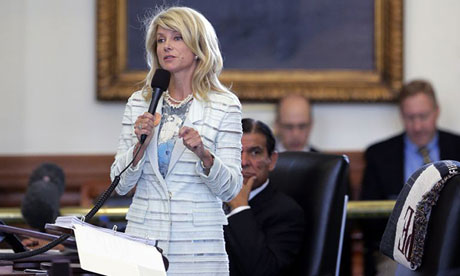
(192, 140)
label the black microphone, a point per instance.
(160, 83)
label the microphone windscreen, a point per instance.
(161, 79)
(49, 172)
(40, 204)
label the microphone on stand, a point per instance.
(159, 84)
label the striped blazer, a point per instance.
(183, 210)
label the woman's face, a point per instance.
(172, 52)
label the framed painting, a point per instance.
(327, 50)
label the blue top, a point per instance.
(172, 120)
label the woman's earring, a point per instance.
(196, 57)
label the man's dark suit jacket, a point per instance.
(264, 239)
(384, 178)
(384, 173)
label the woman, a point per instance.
(191, 159)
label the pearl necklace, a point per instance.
(175, 103)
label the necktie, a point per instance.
(425, 154)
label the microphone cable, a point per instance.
(100, 202)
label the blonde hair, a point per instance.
(199, 36)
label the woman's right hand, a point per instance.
(145, 124)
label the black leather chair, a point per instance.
(441, 254)
(317, 182)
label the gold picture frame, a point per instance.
(116, 82)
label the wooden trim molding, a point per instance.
(78, 169)
(116, 82)
(87, 176)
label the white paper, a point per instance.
(109, 253)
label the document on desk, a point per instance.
(111, 253)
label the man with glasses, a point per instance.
(390, 163)
(293, 124)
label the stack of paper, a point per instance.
(109, 252)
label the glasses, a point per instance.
(420, 117)
(291, 127)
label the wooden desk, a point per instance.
(355, 210)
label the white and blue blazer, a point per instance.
(183, 211)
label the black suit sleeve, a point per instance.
(384, 173)
(371, 186)
(382, 179)
(264, 249)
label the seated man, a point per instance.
(294, 121)
(390, 163)
(293, 126)
(265, 227)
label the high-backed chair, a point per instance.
(317, 182)
(441, 250)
